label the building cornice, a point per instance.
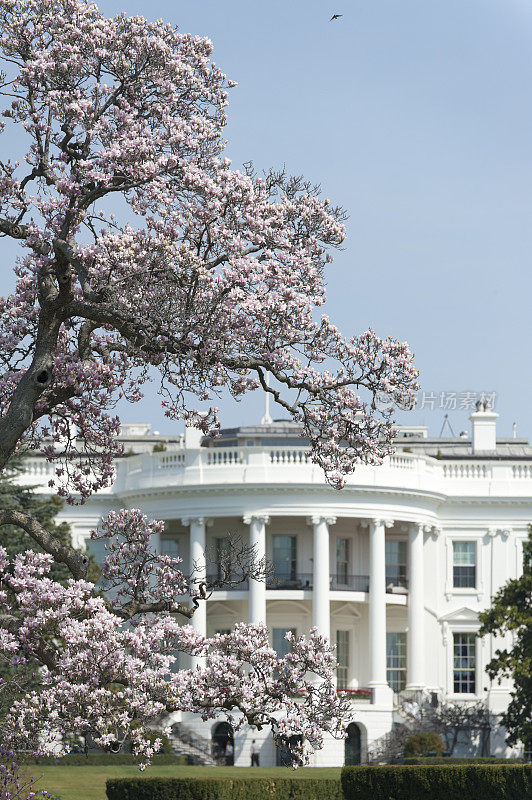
(237, 489)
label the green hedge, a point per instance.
(224, 789)
(472, 782)
(103, 760)
(424, 744)
(427, 760)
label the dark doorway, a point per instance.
(353, 748)
(284, 750)
(223, 744)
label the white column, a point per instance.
(257, 589)
(382, 694)
(321, 578)
(198, 569)
(416, 610)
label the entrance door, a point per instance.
(223, 744)
(353, 749)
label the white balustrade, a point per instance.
(400, 461)
(170, 460)
(522, 471)
(284, 456)
(38, 467)
(221, 456)
(461, 471)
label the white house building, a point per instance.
(394, 568)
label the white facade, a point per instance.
(394, 568)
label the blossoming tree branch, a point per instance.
(143, 251)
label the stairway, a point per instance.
(188, 743)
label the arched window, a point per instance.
(223, 744)
(353, 747)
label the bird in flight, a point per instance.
(335, 16)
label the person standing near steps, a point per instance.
(229, 754)
(254, 754)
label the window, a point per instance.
(281, 645)
(97, 549)
(396, 660)
(223, 631)
(284, 557)
(342, 656)
(342, 560)
(464, 663)
(395, 563)
(170, 547)
(223, 558)
(527, 750)
(464, 565)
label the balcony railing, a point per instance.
(294, 580)
(396, 585)
(243, 586)
(305, 581)
(350, 583)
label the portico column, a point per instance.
(198, 570)
(416, 609)
(321, 578)
(257, 589)
(377, 611)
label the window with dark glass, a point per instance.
(464, 565)
(464, 663)
(97, 549)
(396, 561)
(281, 645)
(342, 657)
(396, 660)
(170, 547)
(342, 560)
(223, 561)
(284, 557)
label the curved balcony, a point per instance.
(271, 466)
(274, 465)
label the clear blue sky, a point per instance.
(416, 115)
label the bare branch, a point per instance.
(76, 562)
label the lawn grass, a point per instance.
(88, 783)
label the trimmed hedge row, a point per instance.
(224, 789)
(428, 760)
(103, 760)
(474, 782)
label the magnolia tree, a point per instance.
(144, 252)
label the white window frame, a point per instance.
(292, 535)
(397, 629)
(450, 589)
(347, 666)
(475, 562)
(398, 538)
(349, 557)
(169, 537)
(472, 628)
